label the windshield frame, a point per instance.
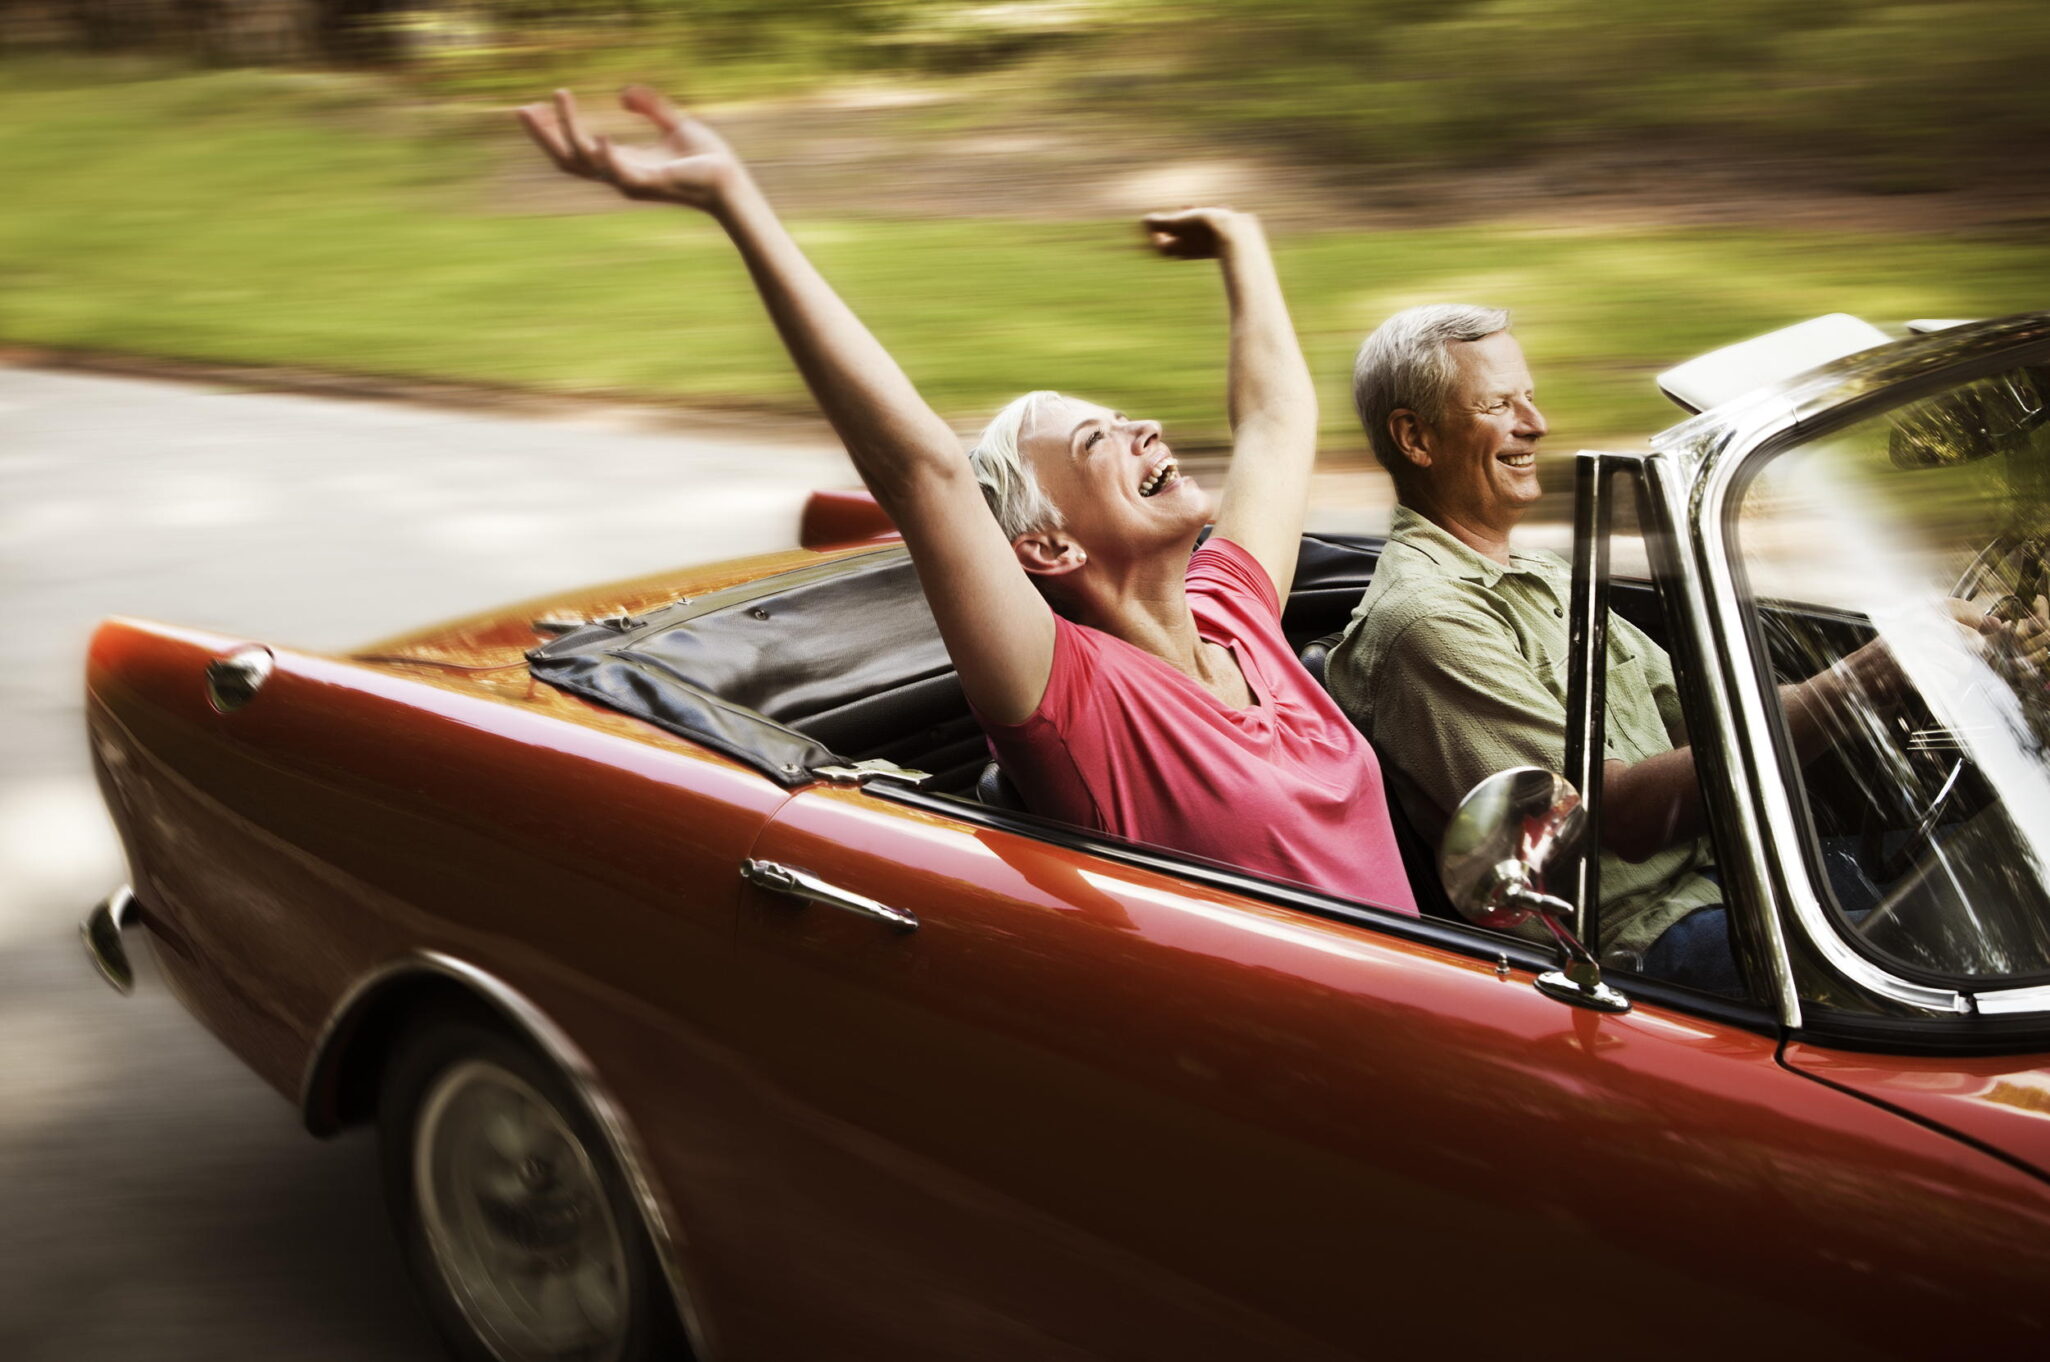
(1729, 449)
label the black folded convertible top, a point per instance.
(804, 669)
(836, 663)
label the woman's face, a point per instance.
(1114, 479)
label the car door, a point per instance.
(1102, 1103)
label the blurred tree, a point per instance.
(210, 31)
(1896, 94)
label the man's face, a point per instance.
(1482, 454)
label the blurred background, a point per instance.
(300, 340)
(336, 184)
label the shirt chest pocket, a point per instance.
(1634, 730)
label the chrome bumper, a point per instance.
(101, 932)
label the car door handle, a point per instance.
(783, 879)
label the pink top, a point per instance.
(1286, 787)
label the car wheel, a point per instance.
(519, 1227)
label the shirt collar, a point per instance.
(1438, 544)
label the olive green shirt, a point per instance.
(1456, 667)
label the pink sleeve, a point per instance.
(1058, 702)
(1037, 753)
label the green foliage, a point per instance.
(723, 48)
(1904, 94)
(1898, 88)
(260, 218)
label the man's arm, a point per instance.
(1456, 701)
(1273, 403)
(1652, 804)
(998, 629)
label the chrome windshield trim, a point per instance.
(2006, 1002)
(626, 1148)
(1741, 854)
(1709, 526)
(1729, 442)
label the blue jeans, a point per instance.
(1695, 952)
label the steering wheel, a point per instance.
(1945, 782)
(2002, 579)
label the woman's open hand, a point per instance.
(691, 164)
(1194, 233)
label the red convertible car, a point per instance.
(712, 998)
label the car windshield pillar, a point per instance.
(1587, 653)
(1680, 558)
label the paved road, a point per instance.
(156, 1201)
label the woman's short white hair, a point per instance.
(1014, 495)
(1407, 362)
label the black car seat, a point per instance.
(1317, 652)
(995, 789)
(1419, 859)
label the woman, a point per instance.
(1162, 703)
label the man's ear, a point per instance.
(1412, 437)
(1048, 553)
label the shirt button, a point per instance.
(1559, 610)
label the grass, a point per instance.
(311, 221)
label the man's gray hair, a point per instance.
(1014, 495)
(1407, 362)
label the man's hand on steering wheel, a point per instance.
(690, 164)
(2020, 633)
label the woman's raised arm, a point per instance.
(1272, 398)
(997, 627)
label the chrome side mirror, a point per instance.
(1504, 835)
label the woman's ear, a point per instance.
(1048, 553)
(1412, 437)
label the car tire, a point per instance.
(520, 1230)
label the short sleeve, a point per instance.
(1037, 753)
(1457, 701)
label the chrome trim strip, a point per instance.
(344, 1014)
(2004, 1002)
(1677, 563)
(101, 930)
(516, 1008)
(1759, 435)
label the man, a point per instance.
(1455, 662)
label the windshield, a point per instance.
(1899, 572)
